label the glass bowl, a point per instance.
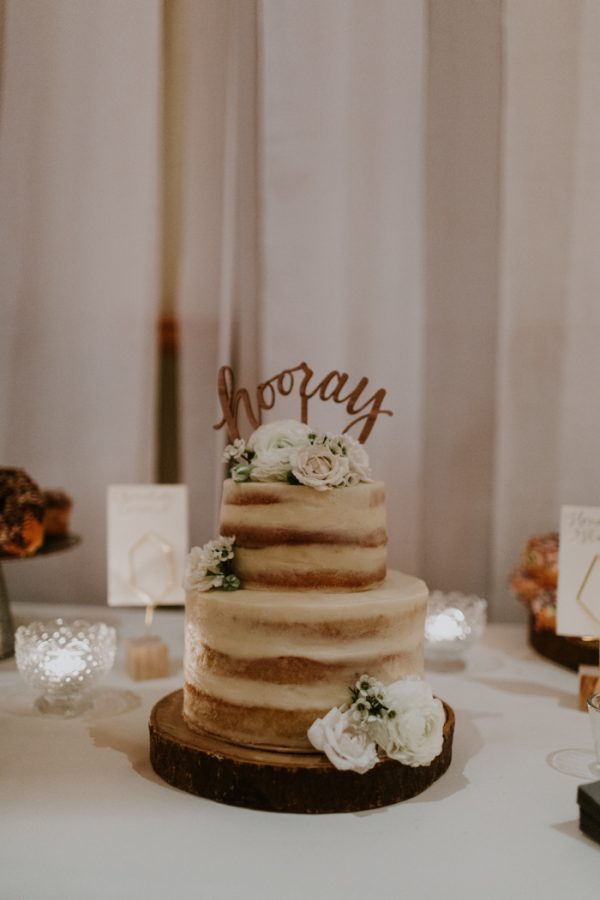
(64, 660)
(454, 623)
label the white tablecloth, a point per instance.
(83, 816)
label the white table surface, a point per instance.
(83, 816)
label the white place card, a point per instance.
(578, 595)
(147, 544)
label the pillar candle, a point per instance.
(147, 657)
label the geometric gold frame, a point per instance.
(169, 559)
(595, 561)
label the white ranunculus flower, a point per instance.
(281, 435)
(270, 467)
(414, 736)
(273, 445)
(318, 467)
(345, 746)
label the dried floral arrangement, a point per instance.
(535, 579)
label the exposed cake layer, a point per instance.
(241, 725)
(297, 538)
(260, 666)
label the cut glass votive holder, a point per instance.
(454, 622)
(593, 705)
(63, 661)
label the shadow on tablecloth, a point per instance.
(120, 734)
(522, 687)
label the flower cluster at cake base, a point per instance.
(211, 566)
(292, 451)
(403, 721)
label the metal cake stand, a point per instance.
(7, 629)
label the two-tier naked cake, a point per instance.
(303, 688)
(317, 606)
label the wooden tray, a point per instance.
(7, 630)
(570, 652)
(278, 782)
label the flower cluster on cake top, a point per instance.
(293, 452)
(403, 720)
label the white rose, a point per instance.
(273, 445)
(345, 746)
(414, 736)
(318, 467)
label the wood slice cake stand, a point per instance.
(278, 782)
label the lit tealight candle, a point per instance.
(449, 625)
(454, 621)
(65, 663)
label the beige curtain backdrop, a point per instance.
(547, 428)
(407, 191)
(79, 161)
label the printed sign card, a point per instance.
(578, 596)
(147, 544)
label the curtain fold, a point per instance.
(542, 105)
(463, 158)
(213, 55)
(579, 477)
(78, 194)
(341, 228)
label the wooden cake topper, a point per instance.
(331, 387)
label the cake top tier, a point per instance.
(303, 512)
(291, 537)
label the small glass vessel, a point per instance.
(64, 660)
(454, 622)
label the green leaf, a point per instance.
(231, 583)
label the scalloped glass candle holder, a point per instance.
(63, 661)
(453, 624)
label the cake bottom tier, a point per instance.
(261, 666)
